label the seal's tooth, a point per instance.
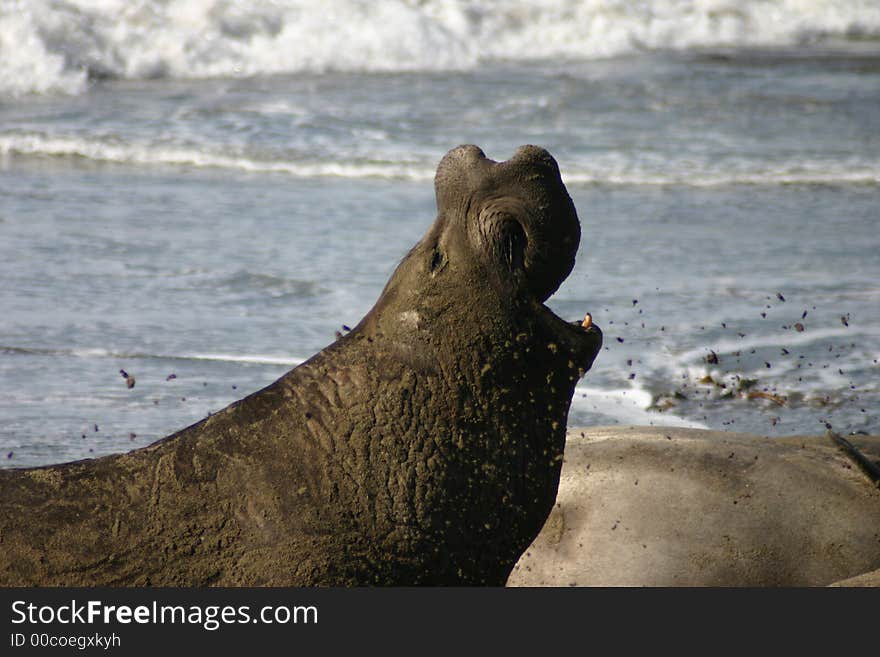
(588, 321)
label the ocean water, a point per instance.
(200, 193)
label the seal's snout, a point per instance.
(535, 156)
(531, 151)
(467, 168)
(460, 170)
(466, 153)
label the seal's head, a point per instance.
(505, 238)
(515, 216)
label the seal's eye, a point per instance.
(438, 261)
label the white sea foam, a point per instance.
(86, 352)
(113, 150)
(812, 373)
(55, 45)
(607, 170)
(788, 340)
(798, 172)
(259, 359)
(627, 405)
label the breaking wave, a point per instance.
(604, 169)
(58, 46)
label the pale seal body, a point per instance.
(664, 506)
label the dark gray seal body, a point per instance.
(424, 447)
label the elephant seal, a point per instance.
(655, 506)
(423, 447)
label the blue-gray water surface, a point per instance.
(207, 235)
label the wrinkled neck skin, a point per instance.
(424, 447)
(467, 438)
(480, 373)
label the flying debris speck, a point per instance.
(129, 379)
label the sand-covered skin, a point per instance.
(654, 506)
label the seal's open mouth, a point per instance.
(581, 339)
(594, 342)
